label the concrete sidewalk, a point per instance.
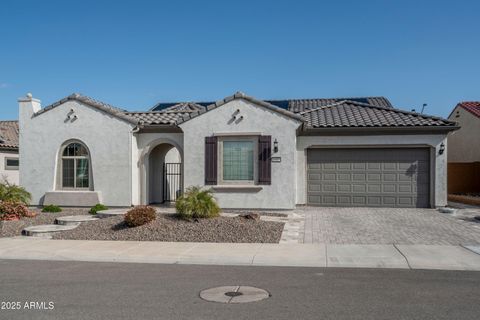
(257, 254)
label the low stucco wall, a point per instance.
(463, 177)
(258, 120)
(438, 163)
(107, 138)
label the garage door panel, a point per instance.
(344, 177)
(389, 177)
(329, 188)
(389, 188)
(374, 188)
(359, 188)
(374, 166)
(344, 188)
(390, 201)
(368, 177)
(374, 177)
(344, 166)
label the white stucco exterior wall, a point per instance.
(257, 120)
(438, 162)
(12, 176)
(107, 138)
(465, 142)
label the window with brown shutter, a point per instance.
(264, 161)
(210, 160)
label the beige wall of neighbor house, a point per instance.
(464, 144)
(107, 138)
(7, 172)
(257, 120)
(438, 194)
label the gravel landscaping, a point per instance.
(14, 228)
(167, 227)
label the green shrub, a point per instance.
(51, 208)
(197, 203)
(11, 210)
(98, 207)
(139, 216)
(12, 192)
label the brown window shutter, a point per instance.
(210, 160)
(264, 161)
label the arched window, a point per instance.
(75, 167)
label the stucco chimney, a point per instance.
(28, 106)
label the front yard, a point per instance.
(168, 227)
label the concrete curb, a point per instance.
(244, 254)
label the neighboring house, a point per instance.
(464, 149)
(9, 151)
(274, 154)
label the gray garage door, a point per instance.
(368, 177)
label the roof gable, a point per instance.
(471, 106)
(241, 95)
(104, 107)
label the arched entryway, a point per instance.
(165, 181)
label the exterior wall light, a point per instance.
(442, 148)
(275, 146)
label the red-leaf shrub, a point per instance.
(11, 209)
(139, 216)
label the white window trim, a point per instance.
(7, 167)
(237, 183)
(62, 157)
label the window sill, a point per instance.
(237, 188)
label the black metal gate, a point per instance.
(172, 181)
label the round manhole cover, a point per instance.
(234, 294)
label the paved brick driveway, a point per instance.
(385, 226)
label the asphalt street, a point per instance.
(86, 290)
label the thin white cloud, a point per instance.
(4, 85)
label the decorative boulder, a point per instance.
(251, 216)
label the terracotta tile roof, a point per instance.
(471, 106)
(8, 134)
(354, 114)
(316, 113)
(158, 117)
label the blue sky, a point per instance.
(133, 54)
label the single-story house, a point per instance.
(274, 154)
(464, 149)
(9, 152)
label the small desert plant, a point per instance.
(51, 208)
(12, 192)
(11, 210)
(197, 203)
(98, 207)
(139, 216)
